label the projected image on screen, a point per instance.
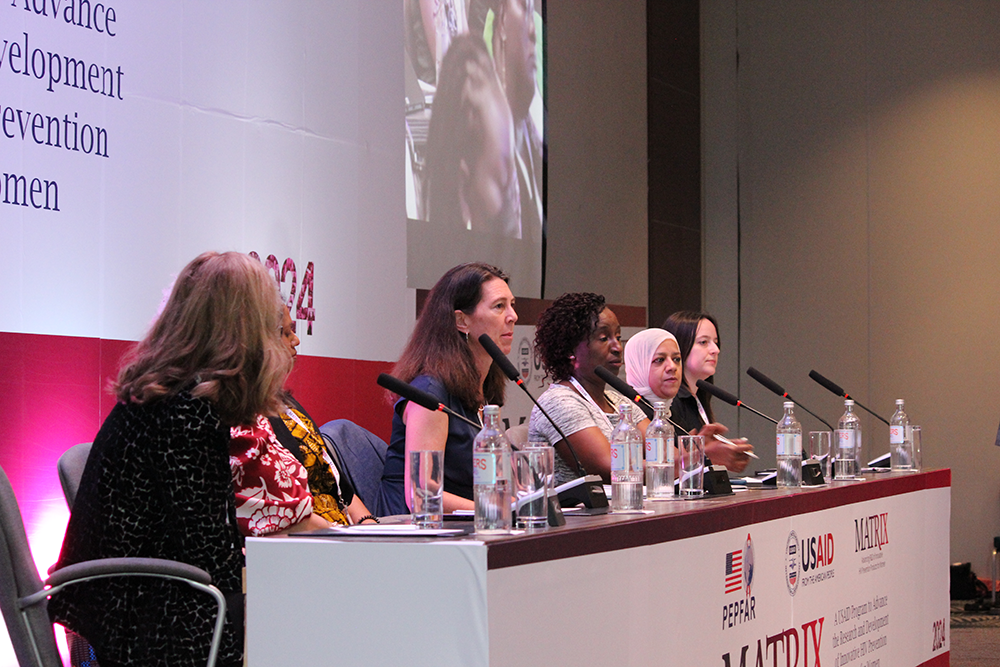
(474, 138)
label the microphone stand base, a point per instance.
(716, 482)
(588, 491)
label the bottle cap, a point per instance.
(491, 410)
(789, 404)
(899, 401)
(849, 402)
(659, 405)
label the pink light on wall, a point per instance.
(53, 396)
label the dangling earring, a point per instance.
(465, 335)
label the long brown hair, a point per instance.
(437, 348)
(684, 326)
(219, 336)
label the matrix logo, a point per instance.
(871, 532)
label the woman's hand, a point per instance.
(733, 456)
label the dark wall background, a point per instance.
(674, 131)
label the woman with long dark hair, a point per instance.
(698, 338)
(444, 358)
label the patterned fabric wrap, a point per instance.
(271, 486)
(324, 481)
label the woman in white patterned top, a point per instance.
(575, 335)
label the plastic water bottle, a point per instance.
(789, 448)
(491, 475)
(900, 439)
(626, 462)
(659, 455)
(847, 463)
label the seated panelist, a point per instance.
(698, 338)
(158, 484)
(575, 335)
(443, 357)
(284, 478)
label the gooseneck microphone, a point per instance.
(628, 391)
(420, 397)
(587, 489)
(508, 369)
(838, 390)
(780, 391)
(724, 395)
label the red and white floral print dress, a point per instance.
(271, 486)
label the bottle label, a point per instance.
(618, 457)
(654, 449)
(789, 444)
(669, 444)
(897, 434)
(846, 440)
(484, 468)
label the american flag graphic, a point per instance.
(734, 571)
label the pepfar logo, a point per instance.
(739, 573)
(739, 568)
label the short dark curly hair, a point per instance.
(570, 320)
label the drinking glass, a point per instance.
(691, 449)
(427, 487)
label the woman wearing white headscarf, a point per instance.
(654, 368)
(653, 365)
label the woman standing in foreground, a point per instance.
(158, 483)
(445, 359)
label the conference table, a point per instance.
(849, 573)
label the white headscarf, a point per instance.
(639, 352)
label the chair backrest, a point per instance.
(361, 454)
(70, 467)
(518, 435)
(18, 578)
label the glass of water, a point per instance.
(691, 449)
(533, 477)
(427, 487)
(819, 450)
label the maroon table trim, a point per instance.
(591, 535)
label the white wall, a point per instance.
(862, 240)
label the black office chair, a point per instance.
(23, 596)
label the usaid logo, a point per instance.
(793, 563)
(524, 359)
(808, 561)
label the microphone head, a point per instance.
(718, 392)
(618, 384)
(499, 357)
(827, 383)
(766, 381)
(623, 388)
(407, 391)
